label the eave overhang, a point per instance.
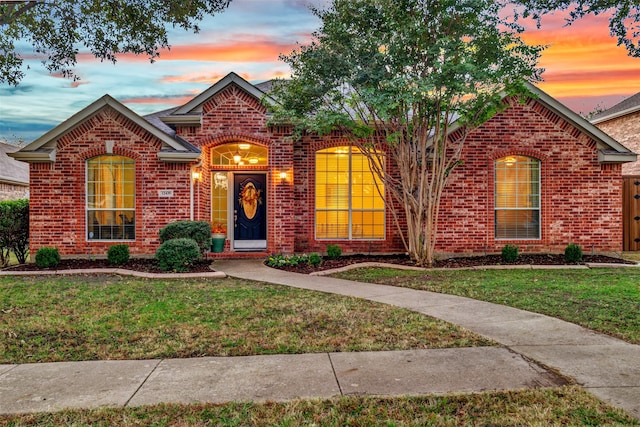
(178, 156)
(35, 156)
(609, 156)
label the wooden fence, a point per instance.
(631, 213)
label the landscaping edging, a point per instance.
(120, 271)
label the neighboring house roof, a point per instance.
(609, 150)
(628, 106)
(43, 149)
(12, 171)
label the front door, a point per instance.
(250, 211)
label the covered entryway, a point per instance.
(631, 213)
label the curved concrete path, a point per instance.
(607, 367)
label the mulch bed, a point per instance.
(151, 265)
(458, 262)
(146, 265)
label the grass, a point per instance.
(632, 256)
(99, 317)
(606, 300)
(541, 407)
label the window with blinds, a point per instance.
(111, 199)
(349, 196)
(517, 198)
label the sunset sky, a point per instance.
(584, 67)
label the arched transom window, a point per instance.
(517, 198)
(349, 196)
(111, 198)
(239, 154)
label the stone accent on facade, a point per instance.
(626, 130)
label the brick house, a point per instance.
(14, 175)
(622, 121)
(536, 175)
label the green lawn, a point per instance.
(606, 300)
(111, 317)
(65, 318)
(565, 406)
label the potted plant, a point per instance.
(218, 236)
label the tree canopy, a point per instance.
(397, 77)
(58, 29)
(624, 20)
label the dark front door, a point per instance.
(250, 211)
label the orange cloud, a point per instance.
(241, 51)
(582, 60)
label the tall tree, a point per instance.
(624, 19)
(397, 77)
(57, 29)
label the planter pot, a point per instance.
(217, 242)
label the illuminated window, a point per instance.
(517, 198)
(219, 191)
(349, 196)
(239, 154)
(111, 198)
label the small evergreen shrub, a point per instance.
(200, 231)
(177, 254)
(333, 251)
(118, 254)
(510, 253)
(573, 253)
(315, 259)
(280, 260)
(47, 257)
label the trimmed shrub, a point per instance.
(177, 254)
(280, 260)
(47, 257)
(573, 253)
(200, 231)
(14, 230)
(118, 254)
(315, 259)
(510, 253)
(333, 251)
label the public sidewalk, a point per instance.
(607, 367)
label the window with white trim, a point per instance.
(517, 198)
(111, 198)
(349, 196)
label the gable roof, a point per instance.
(190, 112)
(609, 150)
(627, 106)
(43, 149)
(12, 171)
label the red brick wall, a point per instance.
(231, 116)
(581, 198)
(58, 200)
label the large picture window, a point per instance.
(111, 198)
(349, 196)
(517, 198)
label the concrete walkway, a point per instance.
(607, 367)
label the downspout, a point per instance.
(191, 193)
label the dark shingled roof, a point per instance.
(632, 103)
(12, 170)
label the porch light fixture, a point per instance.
(283, 177)
(237, 157)
(195, 175)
